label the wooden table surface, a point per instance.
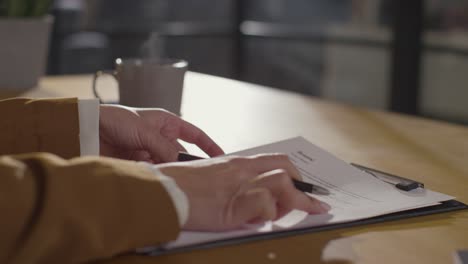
(240, 115)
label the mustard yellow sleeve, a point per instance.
(40, 125)
(71, 211)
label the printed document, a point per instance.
(354, 194)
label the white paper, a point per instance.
(354, 194)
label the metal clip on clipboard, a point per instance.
(399, 182)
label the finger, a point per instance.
(159, 148)
(268, 162)
(254, 205)
(287, 196)
(194, 135)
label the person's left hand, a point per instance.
(148, 134)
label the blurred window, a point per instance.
(444, 88)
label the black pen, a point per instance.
(300, 185)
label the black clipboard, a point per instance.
(443, 207)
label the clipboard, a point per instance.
(446, 206)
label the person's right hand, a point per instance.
(229, 192)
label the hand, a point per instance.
(148, 134)
(229, 192)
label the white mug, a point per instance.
(148, 82)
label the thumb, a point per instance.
(255, 205)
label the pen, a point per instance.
(300, 185)
(399, 182)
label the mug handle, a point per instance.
(95, 78)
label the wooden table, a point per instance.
(239, 115)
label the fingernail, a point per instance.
(325, 207)
(319, 207)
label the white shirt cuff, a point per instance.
(88, 111)
(179, 198)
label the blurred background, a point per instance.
(404, 56)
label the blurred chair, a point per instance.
(73, 51)
(200, 32)
(127, 24)
(84, 52)
(203, 33)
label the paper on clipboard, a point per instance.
(354, 195)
